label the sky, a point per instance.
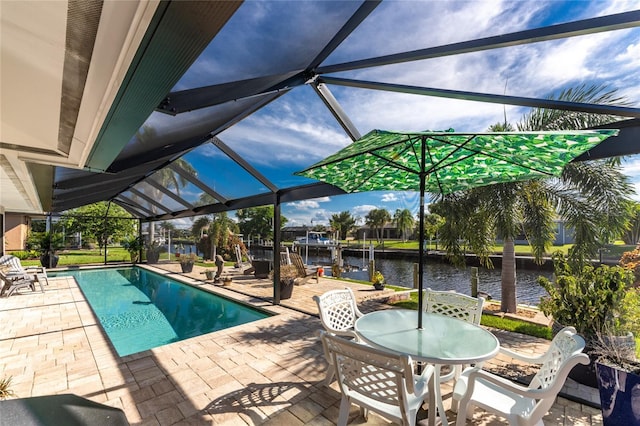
(296, 130)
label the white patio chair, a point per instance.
(338, 313)
(521, 405)
(454, 305)
(376, 380)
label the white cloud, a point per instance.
(305, 205)
(389, 197)
(362, 210)
(631, 166)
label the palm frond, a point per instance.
(554, 119)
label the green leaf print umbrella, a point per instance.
(445, 162)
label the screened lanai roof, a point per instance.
(222, 101)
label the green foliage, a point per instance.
(586, 297)
(43, 242)
(343, 222)
(404, 222)
(23, 254)
(100, 222)
(432, 224)
(132, 244)
(630, 313)
(632, 235)
(221, 234)
(376, 219)
(494, 321)
(516, 326)
(257, 221)
(377, 278)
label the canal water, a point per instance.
(443, 276)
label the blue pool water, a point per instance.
(140, 310)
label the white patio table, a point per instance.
(441, 341)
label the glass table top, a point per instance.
(442, 340)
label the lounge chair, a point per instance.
(305, 272)
(13, 283)
(246, 267)
(15, 269)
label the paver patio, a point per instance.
(266, 372)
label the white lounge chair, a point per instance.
(14, 269)
(521, 405)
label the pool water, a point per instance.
(141, 310)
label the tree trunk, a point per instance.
(508, 302)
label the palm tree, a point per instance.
(404, 222)
(199, 226)
(342, 222)
(165, 176)
(376, 219)
(592, 197)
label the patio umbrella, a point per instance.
(445, 162)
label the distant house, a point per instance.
(564, 235)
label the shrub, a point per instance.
(589, 298)
(630, 261)
(24, 254)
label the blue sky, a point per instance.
(296, 130)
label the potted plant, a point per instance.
(153, 251)
(133, 245)
(618, 376)
(378, 280)
(46, 243)
(209, 273)
(591, 299)
(187, 261)
(288, 275)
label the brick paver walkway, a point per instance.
(266, 372)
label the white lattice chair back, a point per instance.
(374, 379)
(338, 311)
(563, 346)
(455, 305)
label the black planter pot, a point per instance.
(153, 256)
(186, 267)
(49, 261)
(286, 289)
(378, 286)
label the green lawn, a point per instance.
(523, 250)
(86, 257)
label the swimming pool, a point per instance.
(141, 310)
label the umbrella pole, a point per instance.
(423, 180)
(421, 251)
